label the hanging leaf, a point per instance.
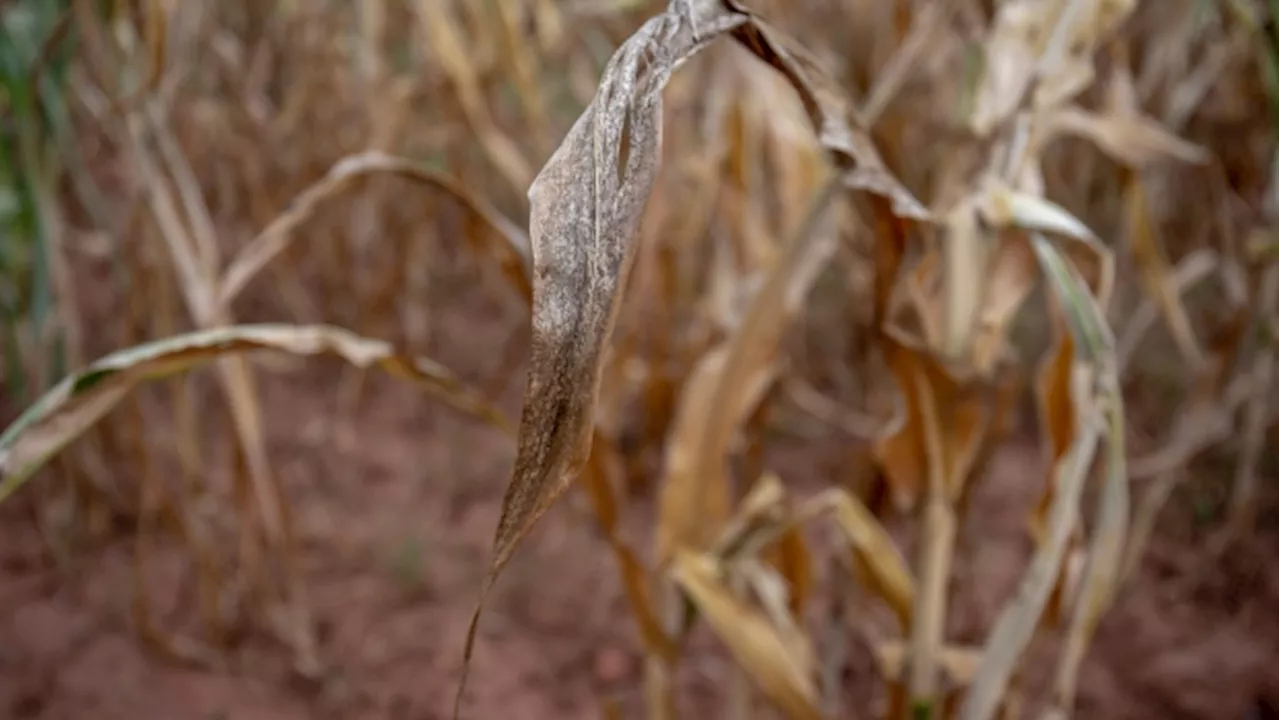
(776, 660)
(586, 205)
(77, 402)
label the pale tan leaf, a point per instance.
(444, 37)
(1010, 55)
(692, 504)
(875, 555)
(599, 480)
(1050, 42)
(965, 253)
(1106, 554)
(958, 663)
(81, 399)
(769, 656)
(1092, 367)
(512, 253)
(1156, 274)
(730, 381)
(1134, 140)
(1012, 276)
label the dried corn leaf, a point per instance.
(1010, 280)
(603, 465)
(586, 205)
(512, 253)
(794, 561)
(1005, 207)
(847, 144)
(1092, 369)
(1057, 416)
(585, 208)
(875, 556)
(965, 255)
(695, 497)
(1106, 554)
(761, 516)
(74, 404)
(1135, 140)
(1050, 42)
(1156, 273)
(958, 663)
(729, 382)
(1009, 63)
(444, 37)
(773, 659)
(956, 417)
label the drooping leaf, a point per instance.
(81, 399)
(586, 205)
(1057, 416)
(512, 253)
(1135, 140)
(1092, 368)
(774, 659)
(1106, 553)
(585, 209)
(875, 556)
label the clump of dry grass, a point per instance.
(1012, 183)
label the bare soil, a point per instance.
(395, 504)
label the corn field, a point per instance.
(735, 358)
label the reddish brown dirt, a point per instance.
(396, 504)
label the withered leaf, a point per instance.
(443, 36)
(1106, 553)
(777, 660)
(512, 253)
(876, 558)
(727, 384)
(603, 465)
(1092, 386)
(1156, 273)
(1133, 139)
(585, 210)
(849, 147)
(81, 399)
